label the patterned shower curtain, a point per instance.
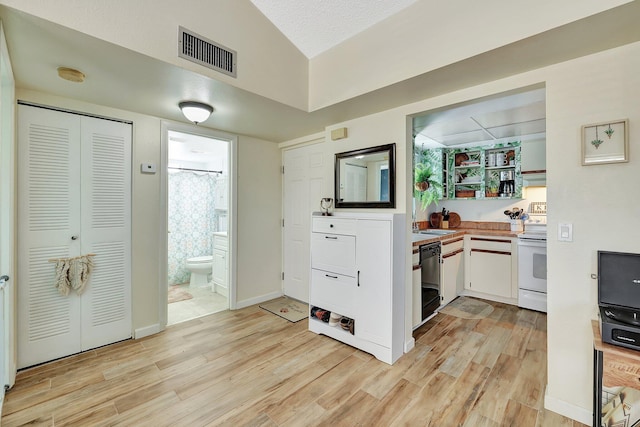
(191, 220)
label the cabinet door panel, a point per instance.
(373, 288)
(490, 272)
(219, 267)
(333, 292)
(334, 253)
(452, 276)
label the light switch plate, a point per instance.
(565, 232)
(148, 168)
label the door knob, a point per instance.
(74, 237)
(3, 281)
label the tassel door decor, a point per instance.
(73, 273)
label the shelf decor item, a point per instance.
(615, 149)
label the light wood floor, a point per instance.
(250, 367)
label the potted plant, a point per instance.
(422, 177)
(427, 188)
(492, 187)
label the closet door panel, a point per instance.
(106, 231)
(48, 217)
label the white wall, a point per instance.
(410, 42)
(600, 201)
(259, 221)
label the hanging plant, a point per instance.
(422, 175)
(596, 142)
(609, 132)
(428, 188)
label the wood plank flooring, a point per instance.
(250, 367)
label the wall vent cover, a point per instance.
(200, 50)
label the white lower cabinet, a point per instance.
(452, 269)
(357, 271)
(490, 268)
(220, 276)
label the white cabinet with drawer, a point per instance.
(357, 270)
(491, 268)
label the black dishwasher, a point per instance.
(430, 278)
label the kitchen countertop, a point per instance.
(421, 239)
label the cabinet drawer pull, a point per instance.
(331, 237)
(491, 252)
(450, 254)
(448, 242)
(331, 277)
(358, 278)
(481, 239)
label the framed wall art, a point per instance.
(605, 142)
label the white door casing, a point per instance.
(304, 185)
(7, 221)
(73, 198)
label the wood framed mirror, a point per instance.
(366, 178)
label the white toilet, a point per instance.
(200, 268)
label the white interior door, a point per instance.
(106, 230)
(304, 186)
(356, 181)
(48, 218)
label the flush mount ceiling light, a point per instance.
(71, 74)
(197, 112)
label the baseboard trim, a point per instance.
(567, 409)
(409, 345)
(222, 290)
(146, 331)
(257, 300)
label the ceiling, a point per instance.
(125, 80)
(315, 26)
(500, 118)
(189, 150)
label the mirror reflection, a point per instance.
(366, 178)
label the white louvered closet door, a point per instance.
(106, 230)
(74, 181)
(48, 215)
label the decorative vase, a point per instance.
(422, 186)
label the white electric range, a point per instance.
(532, 261)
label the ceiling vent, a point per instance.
(200, 50)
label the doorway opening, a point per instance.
(198, 225)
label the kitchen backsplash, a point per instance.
(485, 210)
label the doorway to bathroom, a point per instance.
(197, 199)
